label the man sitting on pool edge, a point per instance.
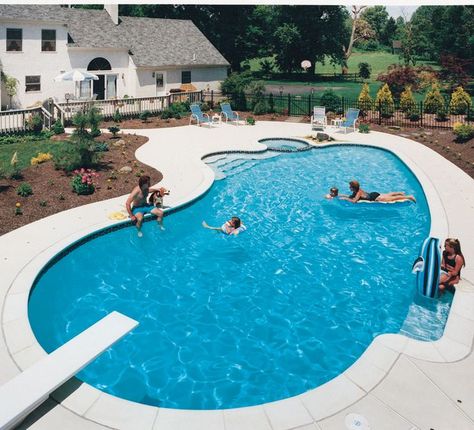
(137, 206)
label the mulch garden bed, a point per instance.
(52, 190)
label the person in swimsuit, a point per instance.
(334, 194)
(359, 194)
(137, 206)
(451, 265)
(232, 227)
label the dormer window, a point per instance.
(14, 39)
(48, 40)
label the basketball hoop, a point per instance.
(305, 65)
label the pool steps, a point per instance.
(22, 394)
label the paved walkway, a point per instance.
(398, 383)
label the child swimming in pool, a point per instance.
(232, 227)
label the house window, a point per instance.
(32, 83)
(14, 39)
(85, 89)
(48, 40)
(111, 86)
(186, 77)
(160, 81)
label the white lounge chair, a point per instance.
(318, 119)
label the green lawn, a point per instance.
(25, 152)
(379, 61)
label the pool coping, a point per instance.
(310, 407)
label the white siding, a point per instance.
(130, 81)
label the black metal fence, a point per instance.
(391, 114)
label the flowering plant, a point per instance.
(83, 181)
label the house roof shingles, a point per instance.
(153, 42)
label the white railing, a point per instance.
(17, 121)
(125, 106)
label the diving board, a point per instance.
(26, 391)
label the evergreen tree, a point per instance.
(407, 101)
(364, 101)
(384, 101)
(460, 101)
(434, 101)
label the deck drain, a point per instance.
(356, 422)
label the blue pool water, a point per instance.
(276, 311)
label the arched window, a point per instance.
(99, 63)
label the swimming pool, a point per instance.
(228, 322)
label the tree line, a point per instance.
(291, 34)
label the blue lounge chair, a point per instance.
(228, 113)
(201, 118)
(352, 115)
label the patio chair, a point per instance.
(352, 115)
(318, 119)
(199, 116)
(228, 113)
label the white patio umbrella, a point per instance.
(76, 76)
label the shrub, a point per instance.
(43, 203)
(365, 69)
(266, 66)
(414, 116)
(205, 107)
(101, 147)
(94, 118)
(41, 158)
(114, 129)
(234, 86)
(364, 101)
(260, 108)
(166, 114)
(82, 182)
(35, 123)
(470, 115)
(407, 101)
(24, 189)
(441, 114)
(58, 127)
(460, 101)
(117, 116)
(434, 101)
(80, 122)
(257, 89)
(384, 101)
(145, 115)
(331, 101)
(398, 77)
(463, 132)
(250, 120)
(79, 152)
(364, 128)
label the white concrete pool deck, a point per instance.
(398, 383)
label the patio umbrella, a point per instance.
(76, 76)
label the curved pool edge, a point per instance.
(355, 383)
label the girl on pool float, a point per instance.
(359, 194)
(232, 227)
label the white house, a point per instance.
(137, 57)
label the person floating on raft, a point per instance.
(232, 227)
(358, 194)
